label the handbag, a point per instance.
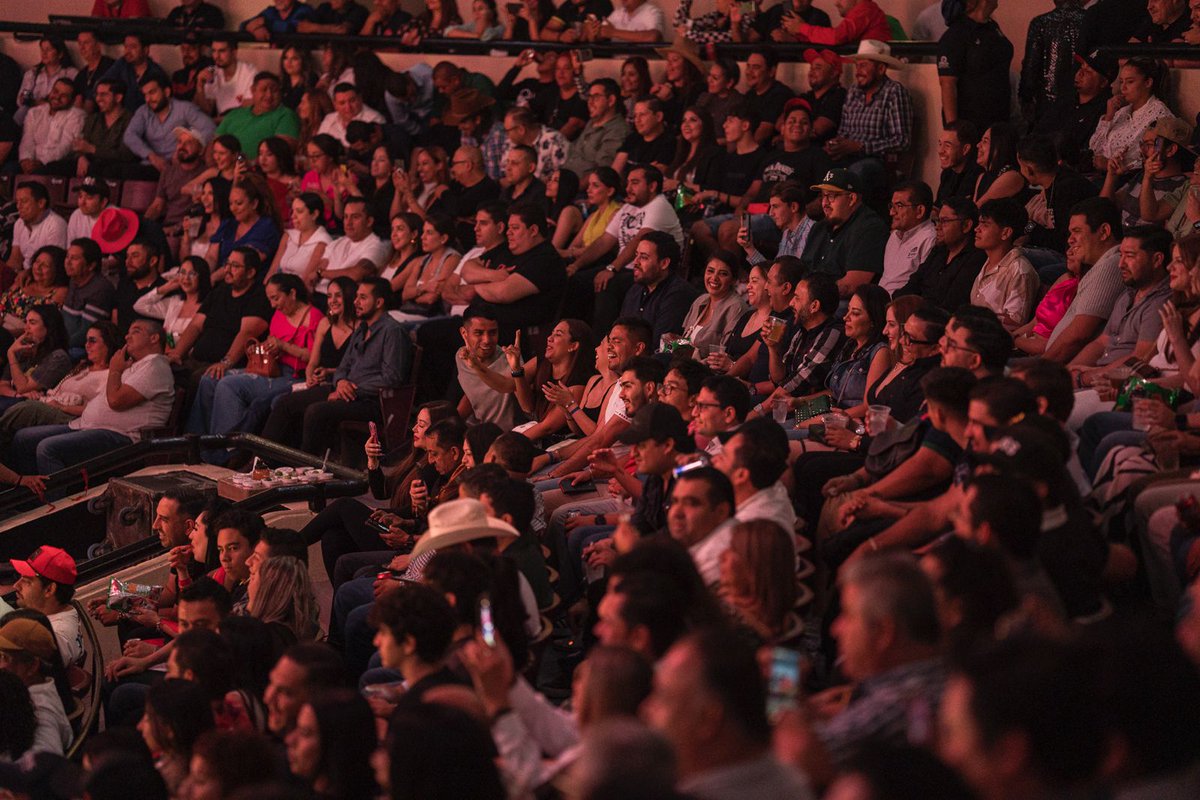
(892, 448)
(261, 360)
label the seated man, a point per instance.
(284, 16)
(266, 116)
(799, 366)
(342, 17)
(1006, 283)
(519, 181)
(849, 243)
(721, 406)
(347, 107)
(37, 226)
(233, 313)
(139, 394)
(631, 21)
(754, 459)
(658, 295)
(46, 585)
(649, 144)
(143, 265)
(701, 518)
(470, 190)
(482, 372)
(376, 357)
(359, 253)
(912, 234)
(877, 117)
(523, 127)
(228, 84)
(786, 213)
(90, 296)
(134, 66)
(956, 151)
(604, 132)
(170, 201)
(101, 147)
(944, 279)
(151, 133)
(50, 132)
(90, 199)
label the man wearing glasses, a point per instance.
(945, 277)
(604, 132)
(912, 235)
(849, 243)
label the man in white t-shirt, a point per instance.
(90, 199)
(37, 226)
(47, 584)
(139, 394)
(631, 21)
(645, 210)
(227, 84)
(29, 650)
(358, 254)
(347, 107)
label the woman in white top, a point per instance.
(178, 300)
(1129, 113)
(54, 63)
(197, 235)
(406, 250)
(304, 244)
(422, 292)
(714, 314)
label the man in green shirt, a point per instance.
(265, 117)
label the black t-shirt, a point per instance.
(828, 105)
(659, 151)
(353, 15)
(461, 203)
(979, 56)
(771, 102)
(772, 19)
(205, 15)
(86, 79)
(127, 294)
(183, 80)
(806, 167)
(732, 173)
(571, 12)
(1157, 34)
(957, 184)
(223, 315)
(561, 111)
(1072, 125)
(543, 267)
(535, 192)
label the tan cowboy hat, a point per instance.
(687, 53)
(458, 521)
(875, 50)
(464, 104)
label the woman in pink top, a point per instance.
(1031, 337)
(242, 399)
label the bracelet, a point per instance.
(571, 410)
(758, 408)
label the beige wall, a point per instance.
(921, 79)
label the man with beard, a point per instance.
(90, 199)
(50, 131)
(101, 148)
(151, 132)
(170, 201)
(143, 262)
(134, 66)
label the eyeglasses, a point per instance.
(186, 274)
(833, 195)
(902, 205)
(907, 338)
(949, 344)
(232, 264)
(596, 95)
(667, 388)
(946, 220)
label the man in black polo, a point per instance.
(658, 294)
(945, 277)
(1072, 119)
(849, 243)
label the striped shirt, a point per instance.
(810, 356)
(880, 124)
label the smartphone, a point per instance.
(398, 165)
(374, 429)
(513, 8)
(688, 467)
(377, 525)
(487, 628)
(783, 683)
(585, 54)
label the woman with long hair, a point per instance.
(421, 295)
(997, 157)
(342, 527)
(565, 218)
(37, 359)
(225, 152)
(593, 401)
(54, 63)
(743, 342)
(335, 67)
(242, 399)
(697, 145)
(277, 163)
(333, 331)
(213, 210)
(280, 594)
(225, 762)
(178, 300)
(296, 74)
(1141, 87)
(425, 182)
(602, 188)
(325, 749)
(323, 176)
(66, 400)
(431, 22)
(303, 246)
(378, 187)
(406, 248)
(254, 222)
(714, 315)
(1033, 336)
(758, 577)
(564, 365)
(635, 83)
(484, 25)
(478, 441)
(314, 106)
(526, 25)
(47, 285)
(682, 84)
(177, 713)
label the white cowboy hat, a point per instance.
(875, 50)
(458, 521)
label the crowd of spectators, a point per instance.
(745, 462)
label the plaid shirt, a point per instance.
(881, 125)
(810, 356)
(708, 28)
(494, 147)
(791, 244)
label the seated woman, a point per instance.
(758, 578)
(484, 24)
(178, 300)
(177, 713)
(243, 398)
(1031, 338)
(303, 245)
(378, 186)
(38, 358)
(1141, 84)
(697, 146)
(325, 749)
(344, 525)
(421, 296)
(226, 153)
(564, 363)
(583, 413)
(280, 594)
(333, 331)
(997, 156)
(601, 190)
(477, 442)
(430, 23)
(424, 183)
(254, 222)
(324, 176)
(277, 163)
(715, 313)
(200, 228)
(406, 247)
(526, 25)
(64, 402)
(565, 218)
(745, 355)
(47, 285)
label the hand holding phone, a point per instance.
(783, 683)
(374, 429)
(487, 629)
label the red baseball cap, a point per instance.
(49, 563)
(826, 55)
(797, 102)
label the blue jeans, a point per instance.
(571, 577)
(225, 405)
(46, 449)
(1095, 432)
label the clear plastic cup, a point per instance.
(877, 419)
(779, 410)
(835, 419)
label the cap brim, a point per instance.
(889, 60)
(496, 528)
(829, 187)
(24, 568)
(632, 435)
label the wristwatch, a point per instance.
(612, 268)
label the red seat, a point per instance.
(56, 186)
(138, 195)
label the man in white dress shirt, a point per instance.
(913, 234)
(51, 130)
(37, 226)
(347, 107)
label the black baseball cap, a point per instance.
(1108, 67)
(659, 421)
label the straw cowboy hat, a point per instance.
(875, 50)
(458, 521)
(687, 53)
(466, 103)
